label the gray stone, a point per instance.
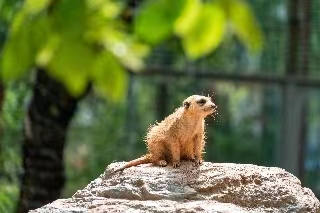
(213, 187)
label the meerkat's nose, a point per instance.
(213, 106)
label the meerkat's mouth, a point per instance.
(212, 110)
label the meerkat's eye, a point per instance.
(201, 101)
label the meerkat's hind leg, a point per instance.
(187, 153)
(158, 154)
(160, 162)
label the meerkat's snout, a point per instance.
(211, 108)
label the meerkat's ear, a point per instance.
(186, 104)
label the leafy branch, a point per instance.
(84, 41)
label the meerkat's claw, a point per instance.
(162, 163)
(197, 162)
(191, 159)
(176, 165)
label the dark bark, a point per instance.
(49, 113)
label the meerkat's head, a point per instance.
(200, 105)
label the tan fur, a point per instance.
(180, 136)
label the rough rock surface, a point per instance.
(213, 187)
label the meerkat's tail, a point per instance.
(142, 160)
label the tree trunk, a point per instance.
(49, 114)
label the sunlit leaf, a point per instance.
(26, 37)
(106, 8)
(16, 47)
(109, 78)
(45, 54)
(98, 26)
(133, 57)
(40, 32)
(66, 55)
(69, 18)
(129, 53)
(8, 9)
(206, 33)
(126, 49)
(188, 17)
(245, 25)
(78, 41)
(71, 64)
(155, 19)
(35, 6)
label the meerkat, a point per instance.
(180, 136)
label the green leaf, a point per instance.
(16, 47)
(188, 17)
(206, 33)
(27, 35)
(131, 54)
(128, 51)
(45, 54)
(69, 18)
(107, 8)
(66, 55)
(109, 78)
(155, 20)
(7, 10)
(35, 6)
(71, 64)
(245, 25)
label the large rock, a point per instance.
(213, 187)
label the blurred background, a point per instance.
(268, 106)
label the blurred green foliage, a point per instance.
(8, 196)
(81, 41)
(7, 10)
(17, 93)
(87, 40)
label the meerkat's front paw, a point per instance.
(176, 164)
(192, 159)
(197, 162)
(162, 163)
